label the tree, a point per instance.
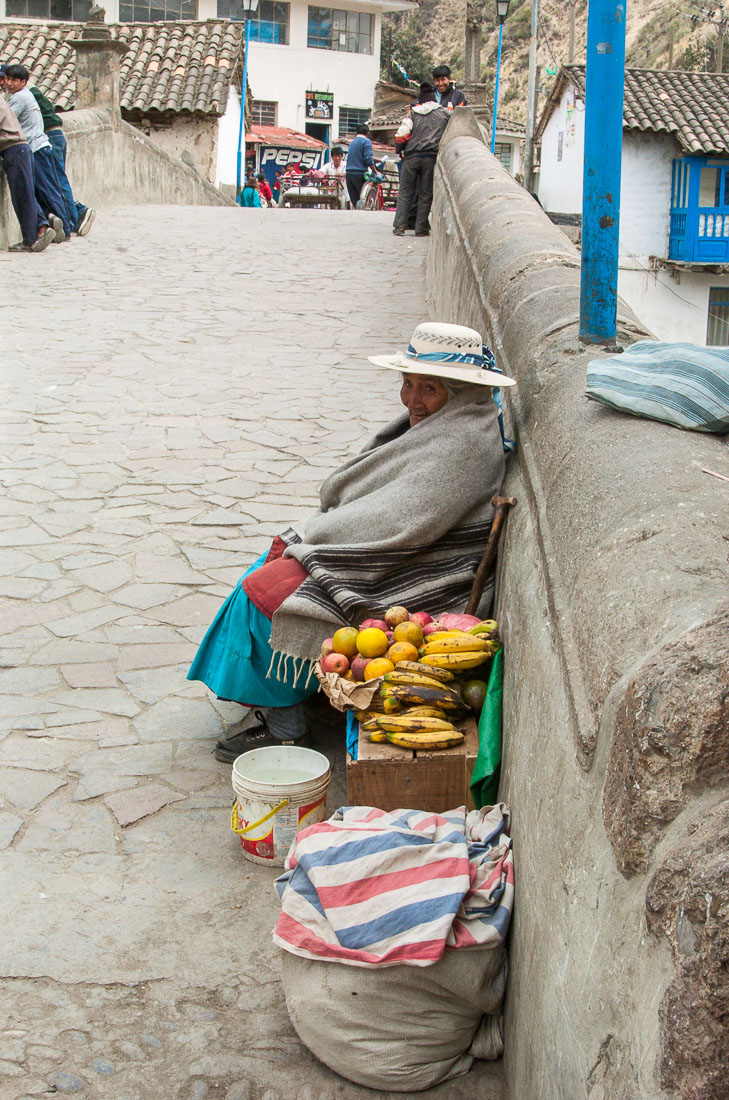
(404, 45)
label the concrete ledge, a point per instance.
(112, 163)
(613, 578)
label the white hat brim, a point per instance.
(475, 375)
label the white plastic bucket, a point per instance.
(279, 790)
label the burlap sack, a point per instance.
(399, 1028)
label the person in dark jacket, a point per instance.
(419, 137)
(17, 161)
(360, 157)
(446, 93)
(79, 215)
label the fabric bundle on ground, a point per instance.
(416, 906)
(680, 384)
(371, 888)
(403, 522)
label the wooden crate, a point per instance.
(389, 777)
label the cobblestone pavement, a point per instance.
(176, 386)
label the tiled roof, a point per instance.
(170, 68)
(281, 135)
(693, 107)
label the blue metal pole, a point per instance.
(496, 90)
(241, 127)
(601, 178)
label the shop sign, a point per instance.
(320, 106)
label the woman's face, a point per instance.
(422, 396)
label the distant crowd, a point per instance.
(416, 141)
(33, 154)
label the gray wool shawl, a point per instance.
(403, 522)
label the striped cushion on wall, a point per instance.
(681, 384)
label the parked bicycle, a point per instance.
(372, 196)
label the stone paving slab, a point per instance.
(176, 387)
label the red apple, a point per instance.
(431, 628)
(335, 662)
(327, 647)
(359, 664)
(379, 624)
(390, 636)
(367, 623)
(395, 615)
(422, 618)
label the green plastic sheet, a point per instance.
(487, 769)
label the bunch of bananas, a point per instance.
(419, 701)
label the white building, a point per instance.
(296, 48)
(674, 206)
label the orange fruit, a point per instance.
(402, 651)
(372, 642)
(409, 632)
(344, 641)
(378, 667)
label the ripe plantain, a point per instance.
(417, 695)
(377, 736)
(425, 712)
(441, 674)
(403, 723)
(456, 662)
(467, 643)
(426, 742)
(405, 677)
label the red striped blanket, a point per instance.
(370, 888)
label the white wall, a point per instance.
(645, 193)
(560, 181)
(673, 308)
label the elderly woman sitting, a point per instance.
(403, 522)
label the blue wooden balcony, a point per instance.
(700, 211)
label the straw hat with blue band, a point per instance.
(446, 351)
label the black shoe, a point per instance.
(424, 233)
(255, 737)
(399, 232)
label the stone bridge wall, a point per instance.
(613, 600)
(110, 164)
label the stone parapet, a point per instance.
(111, 164)
(613, 582)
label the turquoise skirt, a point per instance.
(236, 662)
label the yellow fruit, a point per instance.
(435, 673)
(466, 643)
(455, 662)
(344, 641)
(409, 632)
(372, 642)
(402, 651)
(378, 667)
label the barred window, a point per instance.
(502, 152)
(334, 29)
(264, 112)
(352, 117)
(156, 11)
(717, 328)
(269, 22)
(73, 11)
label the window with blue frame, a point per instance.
(269, 23)
(700, 210)
(334, 29)
(717, 328)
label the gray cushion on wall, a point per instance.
(680, 384)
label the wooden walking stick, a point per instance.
(501, 507)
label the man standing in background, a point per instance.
(27, 112)
(360, 157)
(418, 138)
(79, 216)
(17, 161)
(446, 93)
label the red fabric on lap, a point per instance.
(276, 580)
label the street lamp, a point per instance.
(502, 10)
(249, 7)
